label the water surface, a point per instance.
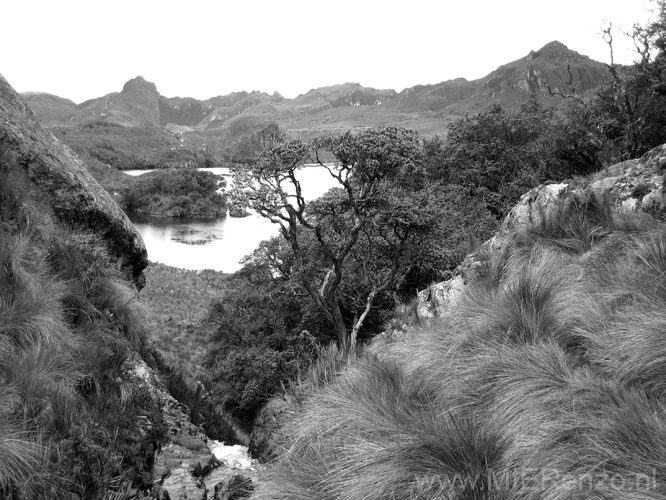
(219, 244)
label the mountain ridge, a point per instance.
(140, 103)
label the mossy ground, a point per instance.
(177, 303)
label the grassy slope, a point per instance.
(177, 302)
(69, 424)
(545, 381)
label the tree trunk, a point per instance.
(359, 323)
(338, 321)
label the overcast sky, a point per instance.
(203, 48)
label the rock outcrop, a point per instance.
(71, 192)
(633, 185)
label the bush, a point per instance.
(258, 343)
(99, 450)
(202, 407)
(176, 193)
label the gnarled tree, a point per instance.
(365, 228)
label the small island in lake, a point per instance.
(176, 192)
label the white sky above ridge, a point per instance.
(82, 49)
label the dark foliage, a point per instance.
(257, 344)
(497, 155)
(176, 193)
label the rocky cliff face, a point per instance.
(71, 192)
(546, 67)
(141, 101)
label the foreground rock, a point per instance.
(186, 467)
(68, 188)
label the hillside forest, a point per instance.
(551, 360)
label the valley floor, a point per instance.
(176, 302)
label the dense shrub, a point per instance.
(256, 346)
(498, 155)
(176, 193)
(202, 407)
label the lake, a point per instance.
(219, 244)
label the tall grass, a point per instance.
(30, 300)
(21, 456)
(580, 222)
(330, 362)
(45, 380)
(546, 381)
(68, 321)
(21, 453)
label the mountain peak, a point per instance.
(554, 46)
(556, 51)
(139, 84)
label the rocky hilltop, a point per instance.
(509, 84)
(140, 128)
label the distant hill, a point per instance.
(349, 104)
(50, 108)
(509, 84)
(234, 123)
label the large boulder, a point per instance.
(72, 193)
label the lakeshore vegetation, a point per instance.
(176, 192)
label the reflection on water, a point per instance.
(219, 244)
(194, 236)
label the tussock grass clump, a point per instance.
(376, 434)
(45, 381)
(529, 304)
(30, 300)
(330, 362)
(21, 456)
(546, 381)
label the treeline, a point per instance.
(405, 213)
(177, 192)
(141, 148)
